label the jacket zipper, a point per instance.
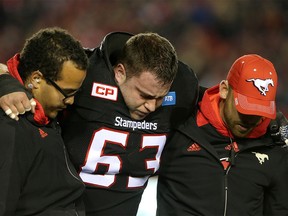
(232, 163)
(233, 155)
(58, 131)
(71, 173)
(226, 191)
(67, 165)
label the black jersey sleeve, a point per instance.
(187, 87)
(9, 84)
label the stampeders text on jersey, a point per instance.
(120, 122)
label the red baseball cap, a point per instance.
(254, 83)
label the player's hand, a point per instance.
(3, 69)
(279, 129)
(17, 103)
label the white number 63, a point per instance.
(95, 156)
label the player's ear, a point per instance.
(120, 73)
(223, 89)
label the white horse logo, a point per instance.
(262, 85)
(261, 157)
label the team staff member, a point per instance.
(221, 162)
(119, 123)
(36, 175)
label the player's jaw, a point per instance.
(138, 115)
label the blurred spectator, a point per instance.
(207, 34)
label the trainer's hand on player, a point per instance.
(17, 103)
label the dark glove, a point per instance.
(278, 129)
(9, 84)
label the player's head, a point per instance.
(53, 66)
(145, 72)
(248, 94)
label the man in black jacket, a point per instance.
(221, 161)
(36, 175)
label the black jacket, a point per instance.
(36, 175)
(204, 171)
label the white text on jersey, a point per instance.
(104, 91)
(120, 122)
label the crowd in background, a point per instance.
(207, 34)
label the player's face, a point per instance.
(239, 124)
(143, 94)
(51, 98)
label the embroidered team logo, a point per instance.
(104, 91)
(262, 85)
(194, 147)
(43, 134)
(261, 157)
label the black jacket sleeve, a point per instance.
(276, 198)
(9, 191)
(9, 84)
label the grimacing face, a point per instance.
(142, 94)
(50, 98)
(239, 124)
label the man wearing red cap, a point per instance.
(221, 162)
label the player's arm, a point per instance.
(14, 99)
(278, 129)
